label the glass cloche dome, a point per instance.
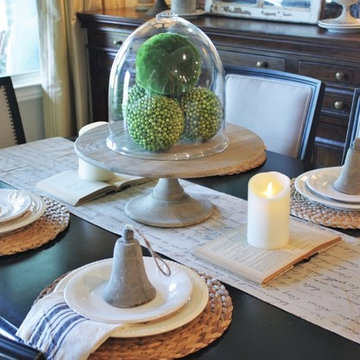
(166, 93)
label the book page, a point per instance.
(232, 252)
(123, 180)
(68, 187)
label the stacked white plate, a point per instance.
(180, 298)
(317, 185)
(19, 208)
(340, 27)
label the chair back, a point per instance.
(282, 108)
(11, 128)
(353, 130)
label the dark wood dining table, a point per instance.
(258, 330)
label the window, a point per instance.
(19, 37)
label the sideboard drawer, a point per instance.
(338, 103)
(102, 61)
(111, 40)
(252, 60)
(336, 74)
(326, 155)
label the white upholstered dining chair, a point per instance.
(11, 128)
(282, 108)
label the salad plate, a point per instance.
(192, 308)
(36, 209)
(13, 203)
(303, 189)
(83, 294)
(320, 181)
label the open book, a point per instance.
(68, 187)
(232, 252)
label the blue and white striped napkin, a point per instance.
(59, 332)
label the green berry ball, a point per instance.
(168, 64)
(202, 113)
(134, 95)
(155, 122)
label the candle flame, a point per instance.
(269, 190)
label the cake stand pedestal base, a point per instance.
(168, 205)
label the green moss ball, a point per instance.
(155, 122)
(168, 64)
(202, 113)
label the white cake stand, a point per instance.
(168, 205)
(345, 23)
(345, 16)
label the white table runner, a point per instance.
(324, 291)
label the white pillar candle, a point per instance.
(183, 6)
(268, 210)
(88, 171)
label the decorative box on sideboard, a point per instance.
(297, 48)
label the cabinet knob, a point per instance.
(338, 105)
(117, 42)
(261, 64)
(339, 75)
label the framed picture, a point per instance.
(300, 11)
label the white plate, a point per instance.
(196, 304)
(13, 203)
(353, 22)
(35, 210)
(320, 181)
(301, 187)
(339, 25)
(83, 294)
(335, 26)
(341, 30)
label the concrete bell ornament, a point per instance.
(129, 285)
(348, 181)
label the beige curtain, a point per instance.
(64, 63)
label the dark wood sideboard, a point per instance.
(298, 48)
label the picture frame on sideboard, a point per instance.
(299, 11)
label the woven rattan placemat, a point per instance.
(55, 219)
(320, 214)
(197, 334)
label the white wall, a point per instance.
(30, 104)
